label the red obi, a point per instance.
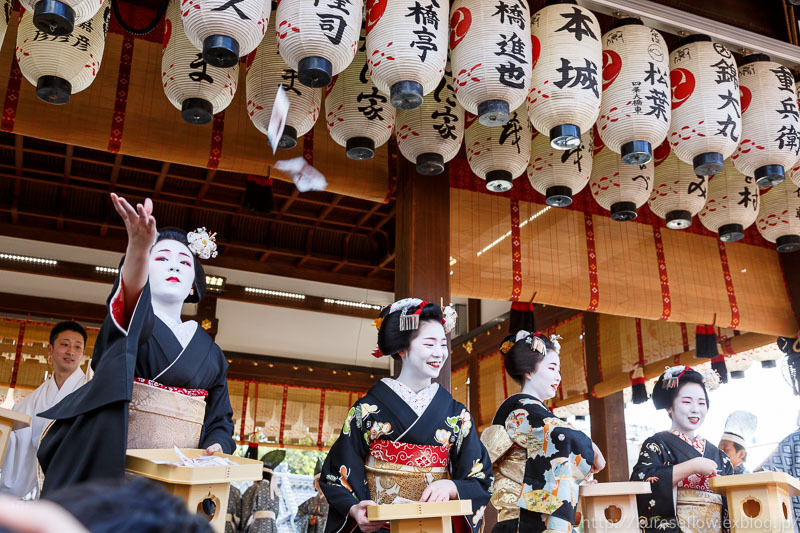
(194, 393)
(420, 455)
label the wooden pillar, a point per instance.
(423, 241)
(607, 414)
(790, 263)
(473, 313)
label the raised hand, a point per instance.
(599, 460)
(139, 222)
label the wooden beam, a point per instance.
(63, 190)
(327, 211)
(162, 177)
(473, 313)
(790, 263)
(206, 185)
(18, 159)
(607, 414)
(51, 308)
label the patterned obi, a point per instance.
(699, 511)
(161, 416)
(399, 472)
(509, 468)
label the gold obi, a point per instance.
(509, 467)
(399, 471)
(160, 417)
(699, 511)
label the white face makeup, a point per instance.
(428, 351)
(689, 408)
(544, 382)
(171, 270)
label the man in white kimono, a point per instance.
(65, 351)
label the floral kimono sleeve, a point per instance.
(471, 468)
(559, 459)
(654, 467)
(343, 478)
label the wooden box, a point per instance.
(10, 420)
(759, 502)
(194, 484)
(612, 506)
(420, 517)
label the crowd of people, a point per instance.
(406, 440)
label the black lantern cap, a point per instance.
(197, 111)
(708, 163)
(753, 58)
(626, 21)
(406, 95)
(315, 72)
(731, 233)
(53, 90)
(768, 364)
(288, 139)
(679, 219)
(493, 113)
(220, 51)
(360, 148)
(636, 152)
(696, 38)
(769, 175)
(556, 2)
(53, 17)
(623, 211)
(430, 164)
(499, 180)
(558, 196)
(788, 243)
(565, 137)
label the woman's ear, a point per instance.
(528, 376)
(191, 291)
(402, 354)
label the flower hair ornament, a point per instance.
(202, 244)
(672, 376)
(533, 340)
(410, 312)
(711, 379)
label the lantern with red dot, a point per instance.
(265, 74)
(770, 123)
(407, 48)
(431, 134)
(779, 216)
(678, 193)
(564, 99)
(635, 109)
(197, 89)
(319, 40)
(706, 112)
(59, 17)
(498, 154)
(794, 174)
(65, 65)
(732, 204)
(490, 47)
(617, 187)
(559, 174)
(358, 116)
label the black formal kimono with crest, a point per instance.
(88, 437)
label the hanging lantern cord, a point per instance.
(140, 31)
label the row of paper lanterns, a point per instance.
(694, 102)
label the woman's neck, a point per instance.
(171, 310)
(414, 382)
(690, 433)
(528, 389)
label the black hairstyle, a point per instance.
(392, 341)
(123, 505)
(791, 347)
(199, 285)
(67, 325)
(271, 461)
(520, 358)
(663, 397)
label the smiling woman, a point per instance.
(147, 363)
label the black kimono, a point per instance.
(89, 436)
(381, 425)
(659, 453)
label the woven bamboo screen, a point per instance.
(492, 386)
(268, 410)
(336, 406)
(573, 368)
(302, 416)
(458, 385)
(236, 395)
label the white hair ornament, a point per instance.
(202, 244)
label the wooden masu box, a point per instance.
(420, 517)
(612, 506)
(759, 502)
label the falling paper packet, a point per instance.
(277, 121)
(306, 178)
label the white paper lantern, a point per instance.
(779, 216)
(5, 17)
(738, 363)
(407, 48)
(358, 116)
(225, 30)
(559, 174)
(770, 141)
(193, 86)
(617, 187)
(431, 134)
(499, 154)
(267, 71)
(732, 204)
(794, 174)
(318, 40)
(706, 112)
(766, 355)
(564, 99)
(635, 107)
(678, 193)
(491, 52)
(61, 66)
(59, 17)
